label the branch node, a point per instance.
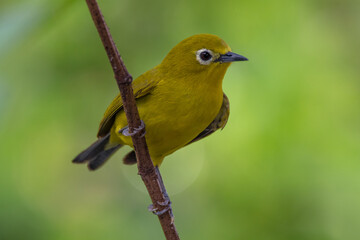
(124, 80)
(144, 172)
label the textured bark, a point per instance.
(145, 165)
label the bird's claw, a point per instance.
(166, 204)
(125, 131)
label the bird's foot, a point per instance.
(167, 206)
(125, 131)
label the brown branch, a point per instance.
(145, 165)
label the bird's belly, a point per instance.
(175, 128)
(169, 124)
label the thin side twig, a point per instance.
(145, 165)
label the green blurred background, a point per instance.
(285, 167)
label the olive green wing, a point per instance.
(142, 86)
(219, 121)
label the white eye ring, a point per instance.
(200, 57)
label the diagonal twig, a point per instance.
(145, 165)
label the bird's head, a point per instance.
(198, 54)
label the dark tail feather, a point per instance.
(130, 158)
(92, 151)
(101, 158)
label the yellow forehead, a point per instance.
(201, 41)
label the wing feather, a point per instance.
(141, 87)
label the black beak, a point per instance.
(230, 57)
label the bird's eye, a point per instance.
(204, 56)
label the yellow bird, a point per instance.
(180, 101)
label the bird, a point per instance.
(180, 101)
